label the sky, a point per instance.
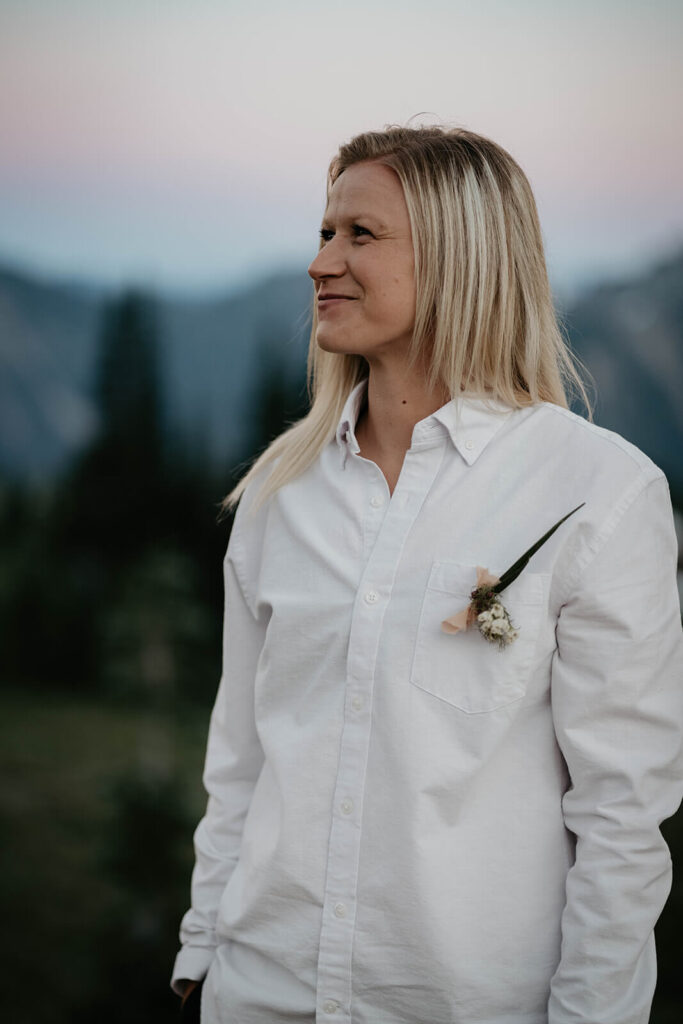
(183, 144)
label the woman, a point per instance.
(406, 821)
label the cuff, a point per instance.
(192, 963)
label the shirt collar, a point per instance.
(346, 438)
(469, 422)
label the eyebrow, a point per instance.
(355, 218)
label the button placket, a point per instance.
(377, 501)
(374, 591)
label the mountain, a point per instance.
(630, 336)
(48, 353)
(214, 354)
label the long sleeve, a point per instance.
(617, 698)
(233, 761)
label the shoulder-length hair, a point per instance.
(485, 318)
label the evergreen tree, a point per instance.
(118, 487)
(110, 504)
(280, 398)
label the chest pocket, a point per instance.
(464, 669)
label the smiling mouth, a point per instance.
(329, 305)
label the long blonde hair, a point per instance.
(485, 317)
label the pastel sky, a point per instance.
(185, 144)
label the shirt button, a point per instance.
(340, 910)
(469, 445)
(371, 596)
(347, 806)
(329, 1006)
(376, 501)
(357, 703)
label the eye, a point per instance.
(357, 230)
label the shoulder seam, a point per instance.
(648, 475)
(610, 436)
(235, 553)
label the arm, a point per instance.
(617, 696)
(232, 766)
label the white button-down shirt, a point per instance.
(406, 826)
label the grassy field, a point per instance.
(86, 788)
(90, 918)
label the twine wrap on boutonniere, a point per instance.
(485, 611)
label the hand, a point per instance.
(189, 986)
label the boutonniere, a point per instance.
(485, 611)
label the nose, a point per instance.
(328, 263)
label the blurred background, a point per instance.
(162, 169)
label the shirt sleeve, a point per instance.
(233, 762)
(617, 698)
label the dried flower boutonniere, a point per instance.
(485, 610)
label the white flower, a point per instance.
(494, 624)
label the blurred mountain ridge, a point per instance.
(629, 334)
(215, 352)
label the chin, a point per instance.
(339, 343)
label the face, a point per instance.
(364, 272)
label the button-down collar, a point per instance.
(469, 422)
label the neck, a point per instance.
(396, 401)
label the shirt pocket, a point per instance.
(464, 669)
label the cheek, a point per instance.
(389, 286)
(398, 299)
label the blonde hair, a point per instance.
(485, 322)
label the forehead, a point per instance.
(369, 189)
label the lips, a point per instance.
(328, 302)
